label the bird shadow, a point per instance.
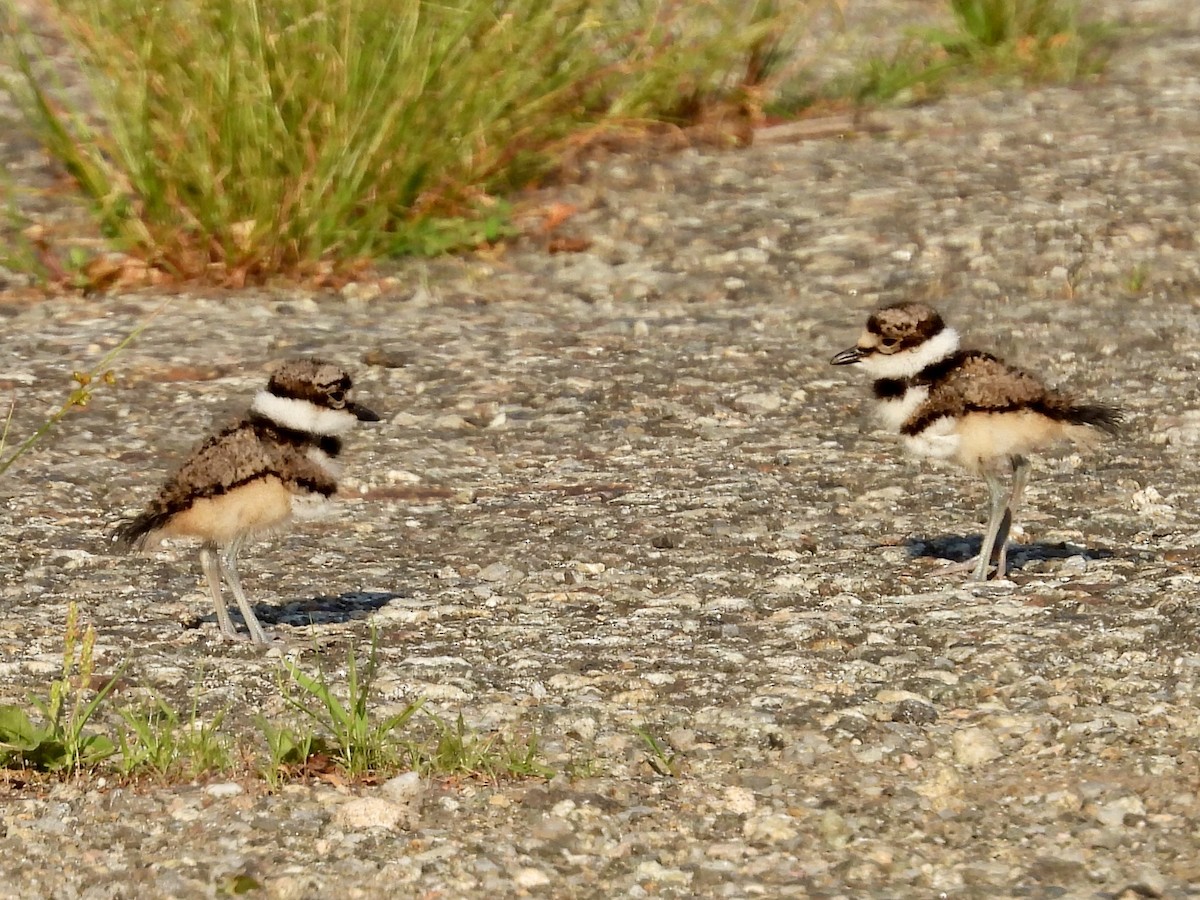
(961, 548)
(326, 609)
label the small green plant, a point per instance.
(241, 883)
(1137, 278)
(1042, 40)
(239, 139)
(661, 760)
(288, 750)
(12, 407)
(18, 252)
(913, 74)
(205, 748)
(158, 741)
(1034, 40)
(79, 397)
(583, 767)
(457, 750)
(148, 743)
(362, 742)
(522, 759)
(435, 236)
(62, 741)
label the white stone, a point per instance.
(975, 746)
(369, 812)
(1114, 812)
(224, 789)
(530, 877)
(740, 801)
(773, 828)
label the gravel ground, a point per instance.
(622, 488)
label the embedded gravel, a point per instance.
(622, 489)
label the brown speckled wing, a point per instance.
(979, 382)
(225, 461)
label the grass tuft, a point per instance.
(289, 751)
(362, 742)
(235, 139)
(158, 741)
(658, 757)
(457, 750)
(1137, 279)
(341, 732)
(1031, 40)
(61, 741)
(1041, 40)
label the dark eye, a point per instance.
(889, 343)
(337, 397)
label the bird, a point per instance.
(276, 463)
(970, 408)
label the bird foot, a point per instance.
(270, 639)
(971, 568)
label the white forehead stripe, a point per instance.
(908, 363)
(301, 415)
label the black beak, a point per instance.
(362, 413)
(847, 357)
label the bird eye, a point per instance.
(337, 397)
(889, 343)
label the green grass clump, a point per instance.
(158, 741)
(62, 740)
(1042, 40)
(457, 750)
(340, 732)
(658, 757)
(237, 138)
(18, 253)
(289, 749)
(362, 741)
(1033, 40)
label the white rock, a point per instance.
(757, 403)
(652, 870)
(372, 812)
(224, 789)
(975, 746)
(740, 801)
(406, 789)
(1148, 503)
(583, 728)
(1114, 812)
(773, 828)
(497, 571)
(530, 877)
(943, 789)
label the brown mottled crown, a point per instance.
(321, 383)
(909, 324)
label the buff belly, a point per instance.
(252, 508)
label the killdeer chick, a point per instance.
(276, 463)
(968, 407)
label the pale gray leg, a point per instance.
(1020, 467)
(212, 574)
(996, 523)
(228, 562)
